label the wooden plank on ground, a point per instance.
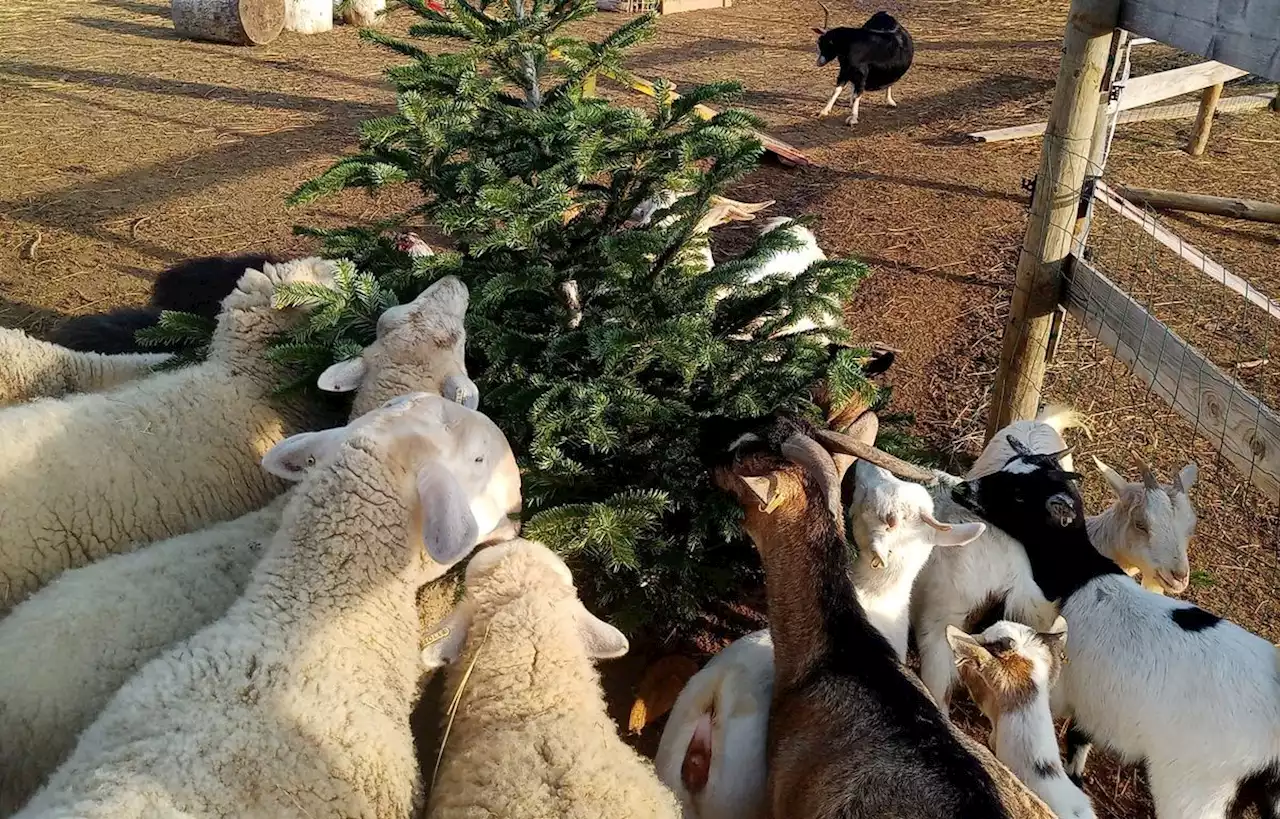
(1182, 110)
(1162, 85)
(1245, 429)
(1189, 253)
(677, 6)
(786, 152)
(1243, 33)
(1233, 207)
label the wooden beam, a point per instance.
(1063, 164)
(1204, 120)
(1220, 409)
(677, 6)
(1187, 251)
(1252, 209)
(1244, 33)
(1144, 90)
(1243, 102)
(787, 153)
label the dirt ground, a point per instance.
(126, 149)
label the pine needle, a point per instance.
(453, 705)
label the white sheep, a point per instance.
(712, 751)
(1009, 670)
(89, 475)
(69, 647)
(296, 703)
(530, 736)
(1149, 526)
(896, 532)
(1193, 696)
(109, 618)
(30, 369)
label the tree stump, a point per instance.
(308, 16)
(239, 22)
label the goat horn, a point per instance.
(865, 430)
(809, 455)
(1019, 447)
(838, 442)
(1148, 477)
(826, 17)
(934, 522)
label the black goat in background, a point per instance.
(872, 57)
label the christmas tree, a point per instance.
(611, 358)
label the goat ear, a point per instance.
(1056, 636)
(449, 530)
(765, 488)
(1062, 509)
(966, 648)
(460, 389)
(1114, 479)
(1186, 478)
(345, 376)
(958, 534)
(294, 456)
(445, 640)
(602, 640)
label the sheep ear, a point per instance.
(602, 640)
(345, 376)
(958, 534)
(294, 456)
(449, 530)
(966, 648)
(1186, 478)
(461, 390)
(445, 640)
(1114, 480)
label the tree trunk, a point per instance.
(239, 22)
(308, 16)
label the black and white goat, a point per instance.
(1195, 697)
(871, 57)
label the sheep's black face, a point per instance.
(1030, 493)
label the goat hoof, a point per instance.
(851, 121)
(893, 105)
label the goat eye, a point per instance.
(311, 460)
(479, 459)
(1140, 525)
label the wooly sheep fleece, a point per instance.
(68, 648)
(531, 737)
(296, 703)
(89, 475)
(30, 369)
(109, 618)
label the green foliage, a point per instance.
(616, 413)
(189, 333)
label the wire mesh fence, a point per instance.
(1170, 357)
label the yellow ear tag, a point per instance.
(437, 636)
(776, 501)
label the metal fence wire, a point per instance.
(1169, 357)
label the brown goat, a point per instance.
(852, 733)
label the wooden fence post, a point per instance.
(1064, 159)
(1204, 120)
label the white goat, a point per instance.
(1195, 697)
(1009, 670)
(895, 529)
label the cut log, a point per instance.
(308, 16)
(1252, 209)
(239, 22)
(1183, 110)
